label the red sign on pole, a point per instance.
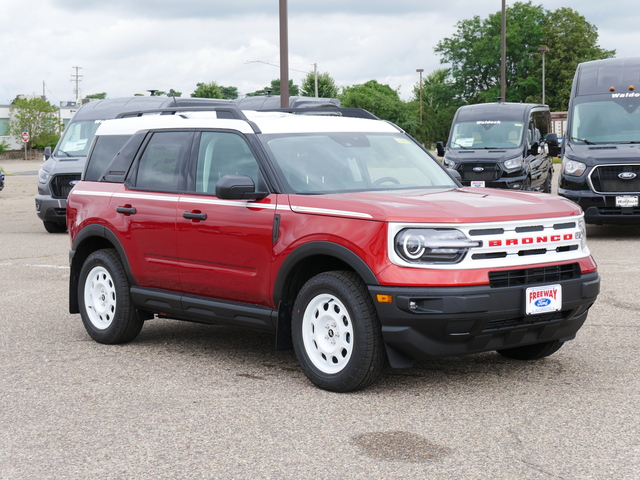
(25, 137)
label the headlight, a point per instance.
(513, 163)
(432, 245)
(43, 176)
(572, 167)
(448, 163)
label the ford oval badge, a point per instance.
(481, 169)
(627, 176)
(542, 302)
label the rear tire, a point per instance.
(105, 302)
(336, 333)
(532, 352)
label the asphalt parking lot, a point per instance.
(188, 401)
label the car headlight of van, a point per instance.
(448, 163)
(513, 163)
(432, 245)
(572, 167)
(43, 176)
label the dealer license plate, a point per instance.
(477, 183)
(627, 201)
(543, 299)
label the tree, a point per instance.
(326, 86)
(173, 93)
(37, 117)
(381, 100)
(571, 40)
(98, 96)
(474, 52)
(229, 93)
(439, 104)
(274, 89)
(207, 90)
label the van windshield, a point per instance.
(487, 134)
(77, 137)
(610, 118)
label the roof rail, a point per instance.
(327, 109)
(222, 111)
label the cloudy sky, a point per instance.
(129, 46)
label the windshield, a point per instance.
(352, 162)
(487, 134)
(610, 118)
(76, 140)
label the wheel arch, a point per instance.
(88, 240)
(303, 263)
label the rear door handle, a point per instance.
(195, 215)
(127, 210)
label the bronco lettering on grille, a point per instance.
(531, 240)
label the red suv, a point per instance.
(342, 236)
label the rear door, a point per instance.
(225, 246)
(146, 207)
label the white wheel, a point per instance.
(327, 333)
(105, 301)
(100, 298)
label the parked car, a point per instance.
(1, 179)
(502, 145)
(341, 236)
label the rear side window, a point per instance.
(161, 164)
(105, 148)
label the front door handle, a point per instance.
(127, 210)
(195, 215)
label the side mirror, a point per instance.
(440, 149)
(535, 149)
(47, 153)
(553, 144)
(238, 187)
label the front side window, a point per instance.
(610, 118)
(161, 164)
(220, 154)
(487, 134)
(344, 162)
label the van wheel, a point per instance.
(532, 352)
(546, 187)
(336, 332)
(105, 301)
(54, 227)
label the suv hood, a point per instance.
(463, 205)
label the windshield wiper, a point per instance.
(583, 140)
(62, 151)
(456, 144)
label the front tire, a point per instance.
(532, 352)
(336, 333)
(105, 301)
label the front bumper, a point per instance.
(601, 209)
(51, 209)
(447, 321)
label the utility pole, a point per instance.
(76, 78)
(284, 56)
(503, 56)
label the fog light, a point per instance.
(413, 305)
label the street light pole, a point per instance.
(284, 56)
(420, 70)
(543, 49)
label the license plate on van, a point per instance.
(543, 299)
(627, 201)
(477, 183)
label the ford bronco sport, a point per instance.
(342, 236)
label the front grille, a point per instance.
(61, 185)
(605, 179)
(490, 171)
(523, 321)
(531, 276)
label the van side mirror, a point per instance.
(47, 153)
(553, 144)
(440, 149)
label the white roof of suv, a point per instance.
(267, 122)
